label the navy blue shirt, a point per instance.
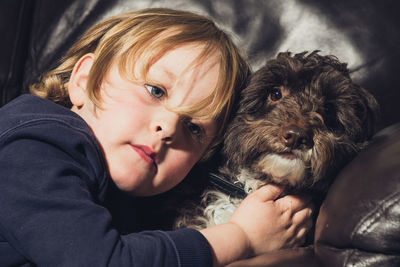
(53, 183)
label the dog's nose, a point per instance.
(294, 137)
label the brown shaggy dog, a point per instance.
(299, 121)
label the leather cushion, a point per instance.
(359, 221)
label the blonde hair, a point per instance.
(126, 37)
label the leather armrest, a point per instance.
(359, 221)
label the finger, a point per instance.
(303, 216)
(295, 203)
(300, 240)
(268, 192)
(300, 234)
(303, 229)
(296, 236)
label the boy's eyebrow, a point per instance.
(170, 74)
(171, 77)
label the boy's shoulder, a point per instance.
(31, 105)
(27, 109)
(37, 123)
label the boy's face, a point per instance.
(149, 148)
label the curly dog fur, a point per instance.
(299, 121)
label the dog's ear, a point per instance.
(368, 111)
(355, 108)
(357, 116)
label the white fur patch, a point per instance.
(221, 209)
(249, 180)
(283, 169)
(223, 213)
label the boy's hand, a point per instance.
(262, 223)
(270, 223)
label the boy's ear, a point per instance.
(78, 80)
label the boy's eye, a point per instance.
(155, 91)
(194, 129)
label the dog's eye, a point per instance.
(275, 94)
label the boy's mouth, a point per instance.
(146, 153)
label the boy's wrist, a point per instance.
(248, 250)
(228, 242)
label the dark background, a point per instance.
(366, 34)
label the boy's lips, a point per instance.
(146, 153)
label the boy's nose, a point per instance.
(166, 126)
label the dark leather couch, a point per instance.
(359, 222)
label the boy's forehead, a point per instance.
(186, 79)
(185, 76)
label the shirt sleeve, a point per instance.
(51, 185)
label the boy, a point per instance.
(144, 96)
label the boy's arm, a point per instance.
(260, 224)
(51, 212)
